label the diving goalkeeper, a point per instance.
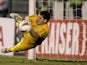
(33, 35)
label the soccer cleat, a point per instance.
(5, 50)
(16, 16)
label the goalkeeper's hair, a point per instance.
(46, 15)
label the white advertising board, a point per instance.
(7, 34)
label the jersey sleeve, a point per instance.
(17, 24)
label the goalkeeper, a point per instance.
(34, 33)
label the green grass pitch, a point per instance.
(22, 60)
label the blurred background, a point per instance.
(66, 8)
(61, 11)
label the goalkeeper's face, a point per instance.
(41, 20)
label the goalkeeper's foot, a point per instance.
(5, 50)
(15, 16)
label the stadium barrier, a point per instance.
(67, 40)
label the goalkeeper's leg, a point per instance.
(21, 46)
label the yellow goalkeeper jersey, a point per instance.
(42, 30)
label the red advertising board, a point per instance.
(67, 39)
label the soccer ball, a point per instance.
(25, 26)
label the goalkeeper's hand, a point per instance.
(16, 16)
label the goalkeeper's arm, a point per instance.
(34, 34)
